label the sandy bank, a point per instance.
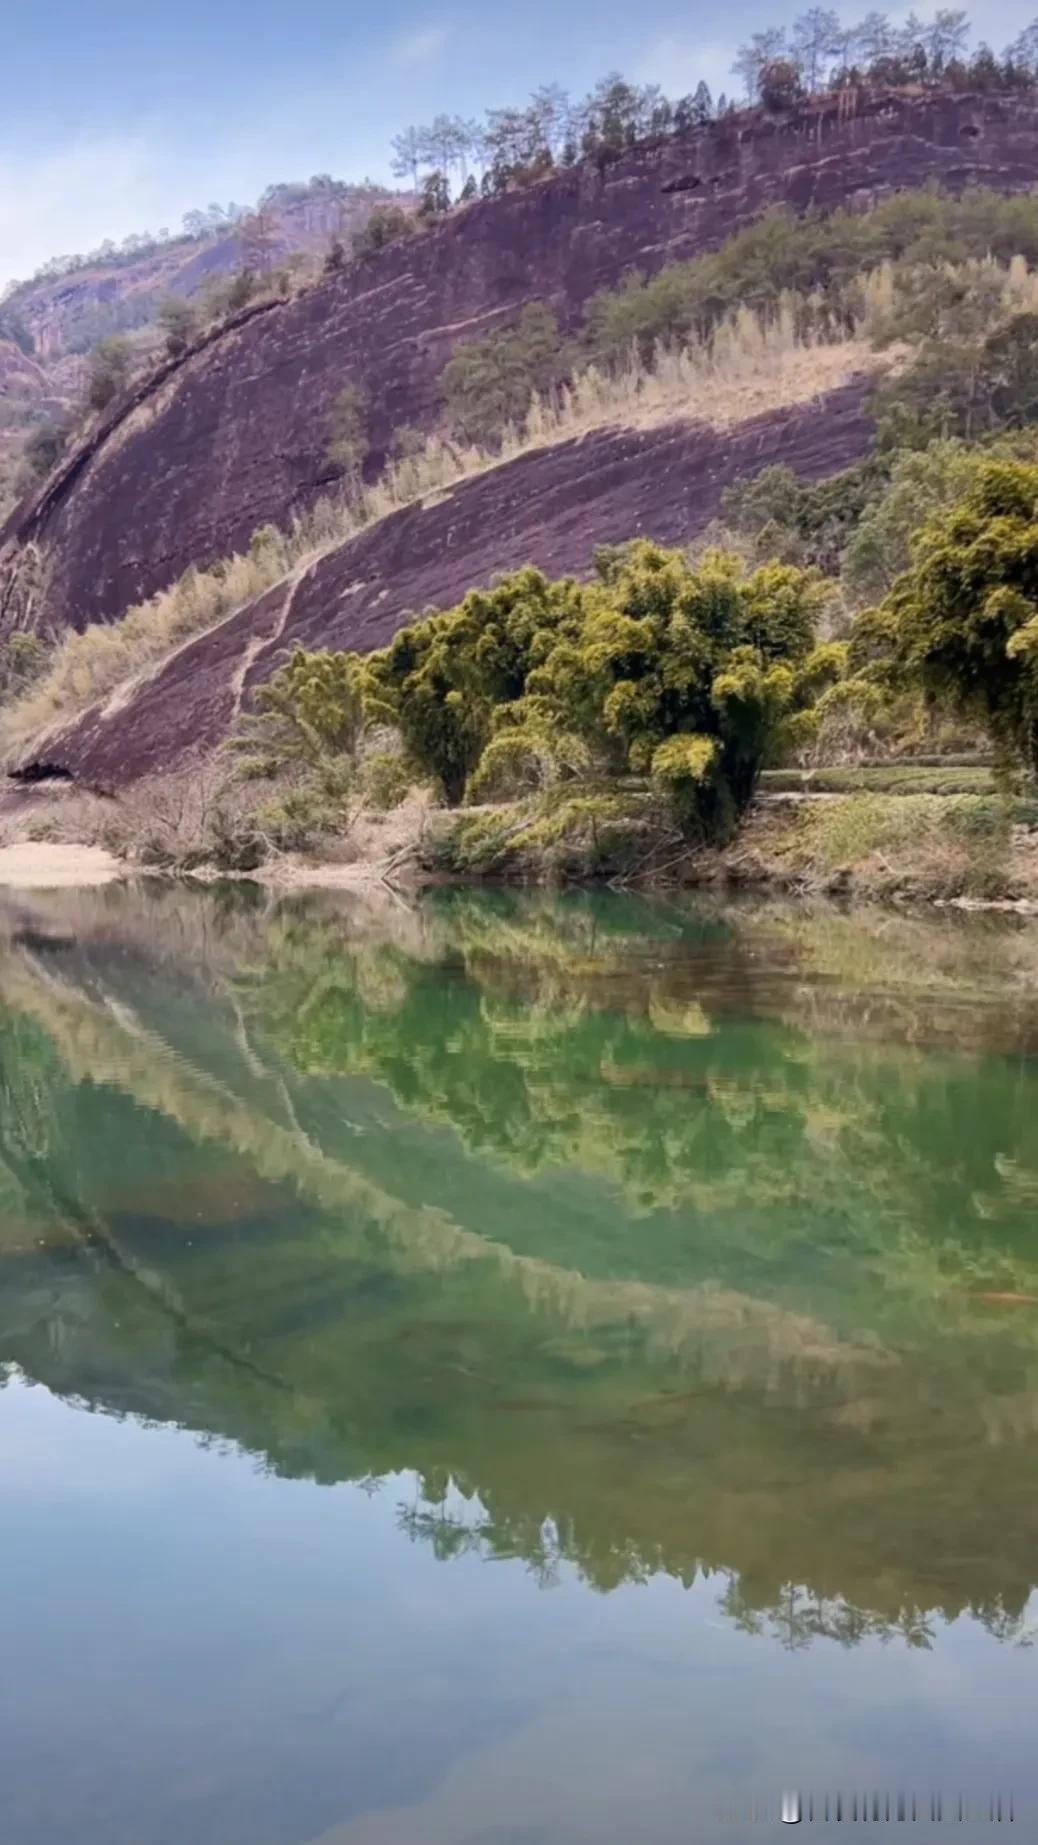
(35, 865)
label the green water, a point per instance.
(513, 1371)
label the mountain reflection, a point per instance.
(646, 1237)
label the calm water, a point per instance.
(513, 1371)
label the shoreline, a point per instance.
(30, 865)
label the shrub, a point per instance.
(824, 257)
(108, 371)
(188, 820)
(387, 224)
(490, 382)
(687, 673)
(348, 425)
(386, 779)
(23, 658)
(43, 450)
(179, 322)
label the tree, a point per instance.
(922, 483)
(387, 224)
(408, 153)
(702, 104)
(436, 195)
(963, 621)
(13, 327)
(910, 42)
(614, 113)
(311, 711)
(179, 322)
(780, 85)
(945, 38)
(873, 38)
(444, 144)
(984, 71)
(108, 370)
(22, 660)
(1023, 52)
(550, 116)
(752, 58)
(240, 289)
(817, 37)
(685, 674)
(257, 237)
(506, 144)
(348, 429)
(489, 383)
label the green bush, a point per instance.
(686, 674)
(822, 253)
(108, 371)
(963, 621)
(23, 658)
(387, 224)
(490, 382)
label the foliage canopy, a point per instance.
(684, 674)
(964, 619)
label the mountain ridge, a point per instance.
(235, 435)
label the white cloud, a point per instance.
(420, 46)
(677, 64)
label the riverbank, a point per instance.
(39, 865)
(971, 850)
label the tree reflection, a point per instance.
(659, 1243)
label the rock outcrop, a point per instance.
(237, 434)
(68, 311)
(550, 507)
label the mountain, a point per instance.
(50, 323)
(183, 469)
(66, 310)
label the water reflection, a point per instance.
(648, 1239)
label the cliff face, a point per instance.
(67, 313)
(550, 508)
(237, 433)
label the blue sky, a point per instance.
(120, 115)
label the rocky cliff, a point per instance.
(68, 312)
(550, 507)
(61, 316)
(185, 470)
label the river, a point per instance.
(514, 1370)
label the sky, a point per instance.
(121, 115)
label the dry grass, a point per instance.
(925, 846)
(749, 366)
(194, 818)
(1011, 287)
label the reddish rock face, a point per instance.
(68, 312)
(549, 508)
(237, 434)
